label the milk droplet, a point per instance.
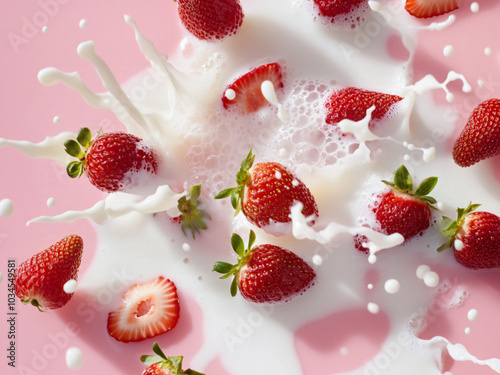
(480, 83)
(431, 279)
(186, 247)
(295, 182)
(373, 308)
(467, 331)
(474, 7)
(487, 51)
(448, 50)
(422, 270)
(317, 260)
(70, 286)
(45, 29)
(392, 286)
(51, 202)
(230, 94)
(472, 314)
(372, 259)
(278, 175)
(74, 358)
(83, 23)
(56, 120)
(370, 286)
(458, 244)
(6, 207)
(375, 6)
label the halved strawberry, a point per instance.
(430, 8)
(160, 364)
(247, 89)
(147, 310)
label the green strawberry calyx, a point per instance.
(228, 269)
(192, 215)
(404, 183)
(74, 148)
(173, 364)
(450, 228)
(243, 179)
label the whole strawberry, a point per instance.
(160, 364)
(404, 210)
(352, 103)
(480, 138)
(333, 8)
(110, 160)
(211, 19)
(474, 237)
(266, 192)
(40, 280)
(266, 273)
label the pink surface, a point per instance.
(27, 112)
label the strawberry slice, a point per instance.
(247, 89)
(148, 310)
(430, 8)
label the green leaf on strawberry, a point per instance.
(167, 365)
(192, 216)
(450, 227)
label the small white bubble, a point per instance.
(467, 331)
(317, 260)
(406, 157)
(45, 29)
(370, 286)
(186, 247)
(83, 23)
(431, 279)
(230, 94)
(6, 207)
(373, 308)
(487, 51)
(51, 202)
(474, 7)
(448, 50)
(56, 120)
(480, 83)
(74, 358)
(70, 286)
(278, 175)
(472, 314)
(450, 97)
(458, 244)
(422, 270)
(295, 182)
(392, 286)
(372, 259)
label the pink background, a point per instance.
(27, 113)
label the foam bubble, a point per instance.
(392, 286)
(472, 314)
(373, 308)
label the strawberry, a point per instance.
(110, 159)
(430, 8)
(480, 138)
(160, 364)
(474, 237)
(352, 103)
(147, 310)
(247, 90)
(192, 217)
(333, 8)
(40, 280)
(266, 273)
(403, 210)
(211, 20)
(266, 192)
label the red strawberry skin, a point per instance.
(480, 138)
(352, 103)
(400, 213)
(147, 310)
(271, 192)
(112, 156)
(332, 8)
(156, 369)
(211, 20)
(42, 277)
(430, 8)
(480, 234)
(247, 88)
(273, 274)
